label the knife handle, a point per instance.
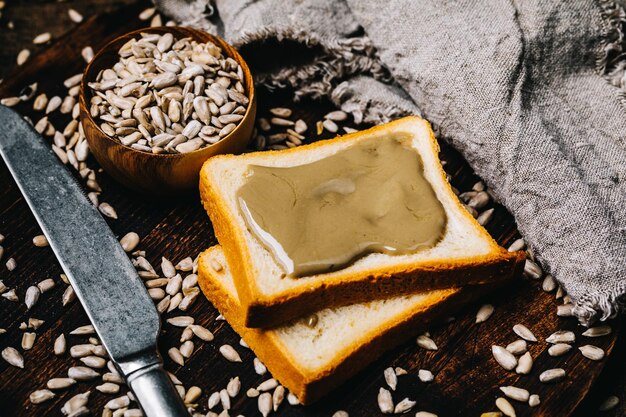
(155, 392)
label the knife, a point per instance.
(103, 277)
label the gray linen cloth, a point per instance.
(523, 89)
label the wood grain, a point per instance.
(466, 376)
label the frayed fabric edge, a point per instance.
(591, 308)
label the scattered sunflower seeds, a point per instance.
(505, 406)
(229, 353)
(385, 402)
(42, 38)
(40, 396)
(60, 383)
(391, 378)
(13, 357)
(534, 400)
(561, 336)
(609, 404)
(82, 373)
(515, 393)
(597, 331)
(425, 375)
(32, 296)
(559, 349)
(426, 342)
(518, 347)
(404, 406)
(524, 364)
(524, 332)
(75, 16)
(23, 56)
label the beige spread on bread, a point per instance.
(324, 215)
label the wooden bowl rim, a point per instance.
(174, 30)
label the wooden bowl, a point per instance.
(159, 174)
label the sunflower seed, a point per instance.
(505, 406)
(117, 403)
(518, 347)
(597, 331)
(504, 358)
(185, 264)
(426, 342)
(74, 16)
(552, 375)
(202, 332)
(34, 323)
(68, 295)
(385, 402)
(40, 396)
(45, 285)
(515, 393)
(524, 364)
(181, 321)
(425, 375)
(281, 112)
(426, 414)
(484, 312)
(549, 284)
(485, 217)
(11, 264)
(87, 54)
(10, 101)
(11, 295)
(13, 357)
(300, 126)
(336, 116)
(60, 383)
(32, 296)
(264, 403)
(559, 349)
(391, 378)
(23, 56)
(192, 395)
(60, 345)
(167, 267)
(277, 397)
(82, 373)
(259, 368)
(592, 352)
(176, 356)
(83, 330)
(564, 310)
(609, 404)
(107, 210)
(111, 377)
(129, 241)
(524, 332)
(147, 13)
(561, 336)
(532, 270)
(53, 104)
(186, 349)
(42, 38)
(404, 406)
(330, 126)
(340, 413)
(76, 403)
(233, 387)
(94, 362)
(214, 400)
(28, 340)
(534, 400)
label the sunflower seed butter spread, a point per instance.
(324, 215)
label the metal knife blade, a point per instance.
(103, 277)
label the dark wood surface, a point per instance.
(466, 376)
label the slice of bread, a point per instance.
(312, 360)
(466, 254)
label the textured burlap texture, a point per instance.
(521, 88)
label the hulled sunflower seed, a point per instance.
(79, 351)
(532, 270)
(518, 347)
(391, 378)
(40, 241)
(82, 373)
(176, 356)
(341, 413)
(592, 352)
(552, 375)
(167, 267)
(32, 296)
(484, 312)
(425, 375)
(94, 362)
(427, 414)
(564, 310)
(534, 400)
(202, 332)
(11, 295)
(68, 295)
(45, 285)
(524, 332)
(40, 396)
(524, 364)
(426, 342)
(117, 403)
(229, 353)
(214, 399)
(597, 331)
(60, 345)
(23, 56)
(129, 241)
(192, 395)
(277, 397)
(515, 393)
(13, 357)
(28, 340)
(181, 321)
(233, 387)
(11, 264)
(609, 404)
(561, 336)
(259, 368)
(60, 383)
(517, 245)
(42, 38)
(404, 406)
(504, 358)
(224, 399)
(186, 349)
(264, 403)
(385, 402)
(559, 349)
(505, 406)
(74, 404)
(107, 210)
(84, 330)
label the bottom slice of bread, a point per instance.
(311, 360)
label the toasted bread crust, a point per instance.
(309, 386)
(268, 311)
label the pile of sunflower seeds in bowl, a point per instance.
(168, 95)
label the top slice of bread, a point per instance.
(312, 360)
(466, 254)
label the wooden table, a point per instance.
(466, 377)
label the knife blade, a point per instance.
(104, 279)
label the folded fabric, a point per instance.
(523, 89)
